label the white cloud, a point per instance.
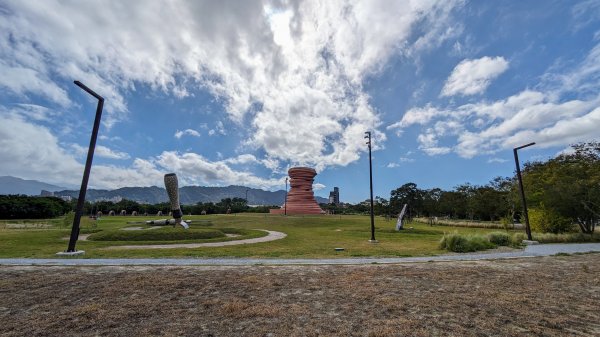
(195, 169)
(581, 80)
(186, 132)
(472, 77)
(428, 143)
(79, 151)
(318, 186)
(105, 152)
(242, 159)
(400, 161)
(497, 160)
(543, 116)
(22, 81)
(290, 72)
(417, 116)
(36, 112)
(35, 153)
(32, 151)
(435, 150)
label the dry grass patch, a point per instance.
(549, 296)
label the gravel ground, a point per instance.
(541, 296)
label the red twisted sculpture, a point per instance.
(300, 199)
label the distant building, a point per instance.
(66, 198)
(45, 193)
(113, 199)
(334, 196)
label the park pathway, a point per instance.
(529, 251)
(272, 236)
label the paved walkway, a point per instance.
(273, 235)
(529, 251)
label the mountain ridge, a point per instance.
(187, 194)
(15, 185)
(150, 194)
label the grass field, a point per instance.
(307, 237)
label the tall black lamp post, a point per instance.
(285, 203)
(525, 214)
(368, 136)
(86, 171)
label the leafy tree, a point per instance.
(431, 201)
(453, 204)
(381, 206)
(407, 194)
(568, 184)
(26, 207)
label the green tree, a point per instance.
(407, 194)
(568, 184)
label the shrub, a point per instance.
(465, 243)
(517, 238)
(499, 238)
(161, 234)
(546, 220)
(68, 219)
(557, 238)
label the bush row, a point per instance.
(469, 243)
(558, 238)
(460, 243)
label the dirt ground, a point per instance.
(550, 296)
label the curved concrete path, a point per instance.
(272, 236)
(529, 251)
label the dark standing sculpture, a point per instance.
(525, 214)
(368, 135)
(88, 167)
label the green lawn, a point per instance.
(307, 237)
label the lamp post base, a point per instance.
(373, 241)
(75, 253)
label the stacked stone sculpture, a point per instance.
(301, 199)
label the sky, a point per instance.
(237, 92)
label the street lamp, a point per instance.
(527, 228)
(86, 172)
(368, 136)
(285, 203)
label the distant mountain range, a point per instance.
(152, 195)
(13, 185)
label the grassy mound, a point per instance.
(161, 234)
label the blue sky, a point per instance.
(235, 93)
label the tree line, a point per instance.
(561, 191)
(29, 207)
(227, 205)
(26, 207)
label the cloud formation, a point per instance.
(186, 132)
(472, 77)
(291, 71)
(20, 141)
